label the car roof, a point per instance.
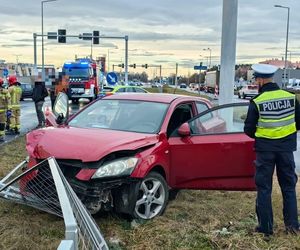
(156, 97)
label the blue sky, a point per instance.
(160, 31)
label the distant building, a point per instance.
(280, 63)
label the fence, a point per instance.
(44, 187)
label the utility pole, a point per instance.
(176, 72)
(160, 80)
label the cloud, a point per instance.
(168, 29)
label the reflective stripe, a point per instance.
(277, 112)
(277, 116)
(275, 100)
(275, 133)
(275, 124)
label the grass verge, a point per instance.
(194, 220)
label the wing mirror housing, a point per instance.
(184, 130)
(61, 108)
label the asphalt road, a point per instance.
(29, 119)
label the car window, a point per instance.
(201, 107)
(223, 119)
(121, 90)
(180, 115)
(107, 89)
(130, 89)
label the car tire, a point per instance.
(152, 197)
(239, 96)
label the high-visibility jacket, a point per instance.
(15, 93)
(5, 103)
(276, 114)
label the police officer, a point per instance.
(4, 107)
(15, 92)
(273, 120)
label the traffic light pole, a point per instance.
(35, 35)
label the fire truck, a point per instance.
(83, 79)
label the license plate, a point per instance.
(77, 90)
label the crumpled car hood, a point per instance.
(83, 144)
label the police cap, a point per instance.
(264, 70)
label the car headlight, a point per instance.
(119, 167)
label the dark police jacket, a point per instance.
(288, 143)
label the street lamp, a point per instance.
(209, 55)
(287, 38)
(43, 59)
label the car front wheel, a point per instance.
(152, 197)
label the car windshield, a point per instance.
(124, 115)
(77, 72)
(26, 86)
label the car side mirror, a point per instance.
(61, 108)
(184, 130)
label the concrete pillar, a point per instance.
(228, 50)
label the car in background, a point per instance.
(248, 91)
(125, 152)
(27, 91)
(182, 86)
(295, 86)
(110, 90)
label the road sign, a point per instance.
(5, 72)
(200, 67)
(52, 35)
(111, 78)
(87, 36)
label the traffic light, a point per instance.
(122, 65)
(96, 37)
(134, 65)
(146, 66)
(61, 36)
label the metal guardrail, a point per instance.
(45, 187)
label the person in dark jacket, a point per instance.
(273, 119)
(39, 94)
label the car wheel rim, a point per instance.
(151, 199)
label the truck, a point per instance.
(83, 79)
(212, 79)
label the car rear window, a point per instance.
(107, 89)
(252, 86)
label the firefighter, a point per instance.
(15, 93)
(4, 107)
(273, 119)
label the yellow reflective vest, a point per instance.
(15, 93)
(276, 114)
(5, 103)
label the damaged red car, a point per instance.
(128, 152)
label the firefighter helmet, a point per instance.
(12, 79)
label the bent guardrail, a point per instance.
(44, 187)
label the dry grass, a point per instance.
(191, 221)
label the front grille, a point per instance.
(77, 85)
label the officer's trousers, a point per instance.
(285, 169)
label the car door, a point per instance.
(216, 154)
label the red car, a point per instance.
(127, 152)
